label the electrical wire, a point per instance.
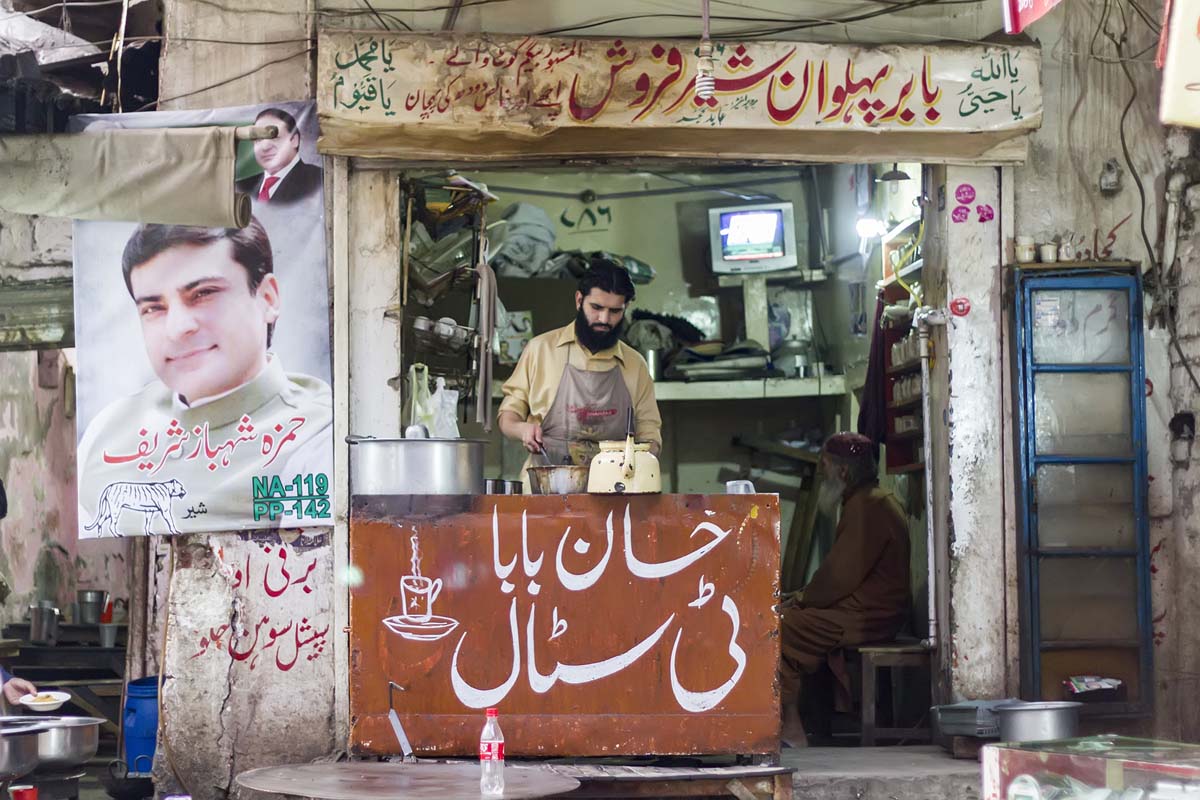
(1156, 269)
(784, 26)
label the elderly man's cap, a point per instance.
(849, 445)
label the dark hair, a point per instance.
(287, 119)
(251, 248)
(607, 276)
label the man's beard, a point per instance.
(591, 338)
(829, 495)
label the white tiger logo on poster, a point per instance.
(203, 353)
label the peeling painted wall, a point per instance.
(41, 557)
(249, 679)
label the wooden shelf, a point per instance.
(1090, 644)
(906, 367)
(779, 276)
(1121, 265)
(914, 404)
(760, 388)
(905, 469)
(764, 444)
(905, 436)
(905, 272)
(752, 389)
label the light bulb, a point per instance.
(868, 228)
(706, 84)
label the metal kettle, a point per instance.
(625, 467)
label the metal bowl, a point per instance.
(567, 479)
(1038, 722)
(18, 751)
(65, 742)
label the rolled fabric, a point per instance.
(181, 176)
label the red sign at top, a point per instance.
(1018, 14)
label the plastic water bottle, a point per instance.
(491, 757)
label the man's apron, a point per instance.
(588, 408)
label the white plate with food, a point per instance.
(44, 701)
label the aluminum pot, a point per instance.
(415, 466)
(65, 742)
(1038, 722)
(567, 479)
(18, 750)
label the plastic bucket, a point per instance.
(141, 723)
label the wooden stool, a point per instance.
(892, 655)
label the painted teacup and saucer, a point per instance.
(419, 623)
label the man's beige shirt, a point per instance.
(530, 391)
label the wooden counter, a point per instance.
(598, 625)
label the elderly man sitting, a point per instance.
(860, 593)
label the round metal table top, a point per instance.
(372, 780)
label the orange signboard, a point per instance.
(597, 625)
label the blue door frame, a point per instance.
(1028, 282)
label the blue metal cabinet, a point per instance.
(1084, 549)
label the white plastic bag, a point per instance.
(420, 403)
(445, 412)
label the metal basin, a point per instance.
(415, 466)
(1038, 722)
(18, 751)
(567, 479)
(64, 742)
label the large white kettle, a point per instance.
(625, 467)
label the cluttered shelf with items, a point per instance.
(681, 339)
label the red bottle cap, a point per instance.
(23, 792)
(107, 613)
(493, 712)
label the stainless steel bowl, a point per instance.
(1038, 722)
(64, 742)
(567, 479)
(18, 750)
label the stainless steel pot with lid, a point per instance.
(415, 465)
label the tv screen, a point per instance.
(751, 234)
(753, 238)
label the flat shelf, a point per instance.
(905, 436)
(756, 389)
(752, 389)
(790, 275)
(1090, 644)
(905, 405)
(1122, 265)
(906, 367)
(904, 273)
(904, 469)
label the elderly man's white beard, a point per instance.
(829, 496)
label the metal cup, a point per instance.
(493, 486)
(739, 487)
(108, 634)
(513, 487)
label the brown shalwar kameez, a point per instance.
(859, 594)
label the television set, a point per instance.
(752, 238)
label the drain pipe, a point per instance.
(925, 319)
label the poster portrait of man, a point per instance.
(203, 366)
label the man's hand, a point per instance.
(528, 433)
(16, 688)
(531, 437)
(790, 600)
